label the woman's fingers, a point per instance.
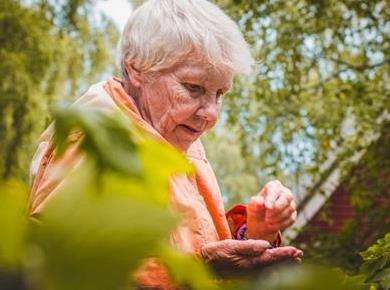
(281, 203)
(272, 210)
(281, 225)
(271, 193)
(251, 247)
(256, 206)
(282, 214)
(233, 255)
(236, 247)
(276, 195)
(284, 209)
(278, 255)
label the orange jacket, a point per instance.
(197, 197)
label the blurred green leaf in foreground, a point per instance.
(12, 223)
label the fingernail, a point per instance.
(298, 254)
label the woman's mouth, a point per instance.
(190, 129)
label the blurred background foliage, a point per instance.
(49, 51)
(320, 93)
(319, 97)
(320, 89)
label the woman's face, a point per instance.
(183, 102)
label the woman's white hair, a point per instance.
(160, 33)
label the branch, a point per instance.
(358, 67)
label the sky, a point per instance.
(118, 10)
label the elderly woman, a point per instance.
(178, 59)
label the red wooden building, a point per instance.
(331, 203)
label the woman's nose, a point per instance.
(208, 111)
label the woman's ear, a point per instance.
(133, 74)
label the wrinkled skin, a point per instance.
(270, 211)
(229, 257)
(181, 102)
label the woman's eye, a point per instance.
(192, 88)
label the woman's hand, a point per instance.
(235, 256)
(271, 211)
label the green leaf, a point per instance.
(106, 138)
(13, 226)
(94, 241)
(383, 278)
